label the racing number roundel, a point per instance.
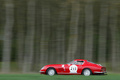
(73, 69)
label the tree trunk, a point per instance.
(45, 34)
(73, 38)
(80, 48)
(37, 36)
(114, 37)
(88, 30)
(29, 40)
(103, 34)
(61, 34)
(9, 7)
(20, 21)
(2, 19)
(53, 32)
(52, 47)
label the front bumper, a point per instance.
(42, 72)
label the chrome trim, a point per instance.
(41, 71)
(99, 72)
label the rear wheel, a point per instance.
(51, 72)
(87, 72)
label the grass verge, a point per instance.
(110, 76)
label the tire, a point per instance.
(86, 72)
(51, 72)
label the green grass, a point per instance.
(58, 77)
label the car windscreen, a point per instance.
(91, 62)
(71, 62)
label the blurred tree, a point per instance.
(45, 35)
(88, 30)
(54, 22)
(21, 24)
(38, 31)
(103, 33)
(9, 7)
(29, 38)
(114, 37)
(57, 31)
(61, 33)
(2, 19)
(73, 38)
(2, 22)
(81, 32)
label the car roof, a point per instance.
(80, 60)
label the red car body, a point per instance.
(74, 67)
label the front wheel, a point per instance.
(87, 72)
(51, 72)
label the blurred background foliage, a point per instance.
(34, 33)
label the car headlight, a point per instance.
(42, 67)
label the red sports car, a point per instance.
(77, 66)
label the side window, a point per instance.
(75, 62)
(80, 62)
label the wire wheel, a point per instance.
(86, 72)
(51, 72)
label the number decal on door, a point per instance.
(73, 69)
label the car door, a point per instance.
(65, 68)
(74, 68)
